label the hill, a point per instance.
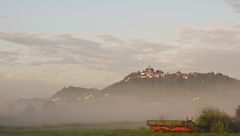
(148, 83)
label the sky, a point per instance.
(46, 45)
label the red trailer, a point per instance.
(170, 125)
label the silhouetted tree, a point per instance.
(238, 113)
(28, 114)
(236, 120)
(29, 110)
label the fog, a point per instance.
(15, 89)
(177, 105)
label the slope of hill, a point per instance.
(74, 93)
(149, 83)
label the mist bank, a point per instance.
(45, 111)
(140, 96)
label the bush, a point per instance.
(211, 119)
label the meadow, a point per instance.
(86, 130)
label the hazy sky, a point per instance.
(48, 44)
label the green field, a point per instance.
(92, 131)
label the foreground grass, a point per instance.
(89, 131)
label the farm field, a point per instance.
(93, 131)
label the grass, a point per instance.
(81, 130)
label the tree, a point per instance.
(211, 119)
(28, 115)
(29, 111)
(238, 113)
(236, 120)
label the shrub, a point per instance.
(211, 119)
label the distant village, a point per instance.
(149, 72)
